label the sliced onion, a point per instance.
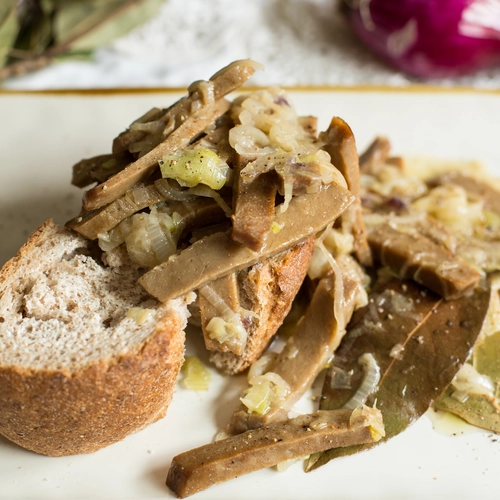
(161, 241)
(205, 191)
(169, 192)
(234, 337)
(369, 383)
(469, 380)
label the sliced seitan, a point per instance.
(413, 256)
(91, 224)
(200, 93)
(474, 186)
(218, 255)
(137, 171)
(99, 168)
(306, 352)
(214, 463)
(339, 143)
(254, 210)
(195, 213)
(375, 156)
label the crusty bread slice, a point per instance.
(78, 371)
(267, 289)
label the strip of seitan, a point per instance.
(91, 224)
(218, 255)
(99, 168)
(375, 156)
(306, 352)
(124, 141)
(413, 256)
(254, 210)
(339, 143)
(200, 93)
(137, 171)
(474, 186)
(195, 213)
(214, 463)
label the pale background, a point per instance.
(300, 42)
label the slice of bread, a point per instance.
(86, 355)
(267, 290)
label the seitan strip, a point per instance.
(476, 187)
(195, 213)
(341, 146)
(220, 84)
(99, 168)
(375, 156)
(306, 352)
(214, 463)
(91, 224)
(218, 255)
(254, 210)
(137, 171)
(226, 288)
(413, 256)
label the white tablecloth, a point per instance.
(300, 42)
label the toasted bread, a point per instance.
(267, 289)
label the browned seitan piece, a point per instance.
(267, 290)
(306, 352)
(195, 214)
(375, 156)
(190, 116)
(339, 143)
(91, 224)
(220, 84)
(99, 168)
(119, 184)
(214, 463)
(413, 256)
(472, 185)
(77, 372)
(254, 210)
(218, 255)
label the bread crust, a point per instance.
(57, 414)
(83, 407)
(267, 289)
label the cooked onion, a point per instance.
(226, 328)
(369, 383)
(265, 391)
(469, 380)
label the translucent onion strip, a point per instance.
(369, 383)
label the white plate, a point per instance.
(43, 135)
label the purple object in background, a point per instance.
(430, 38)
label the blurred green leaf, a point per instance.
(89, 25)
(35, 33)
(8, 28)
